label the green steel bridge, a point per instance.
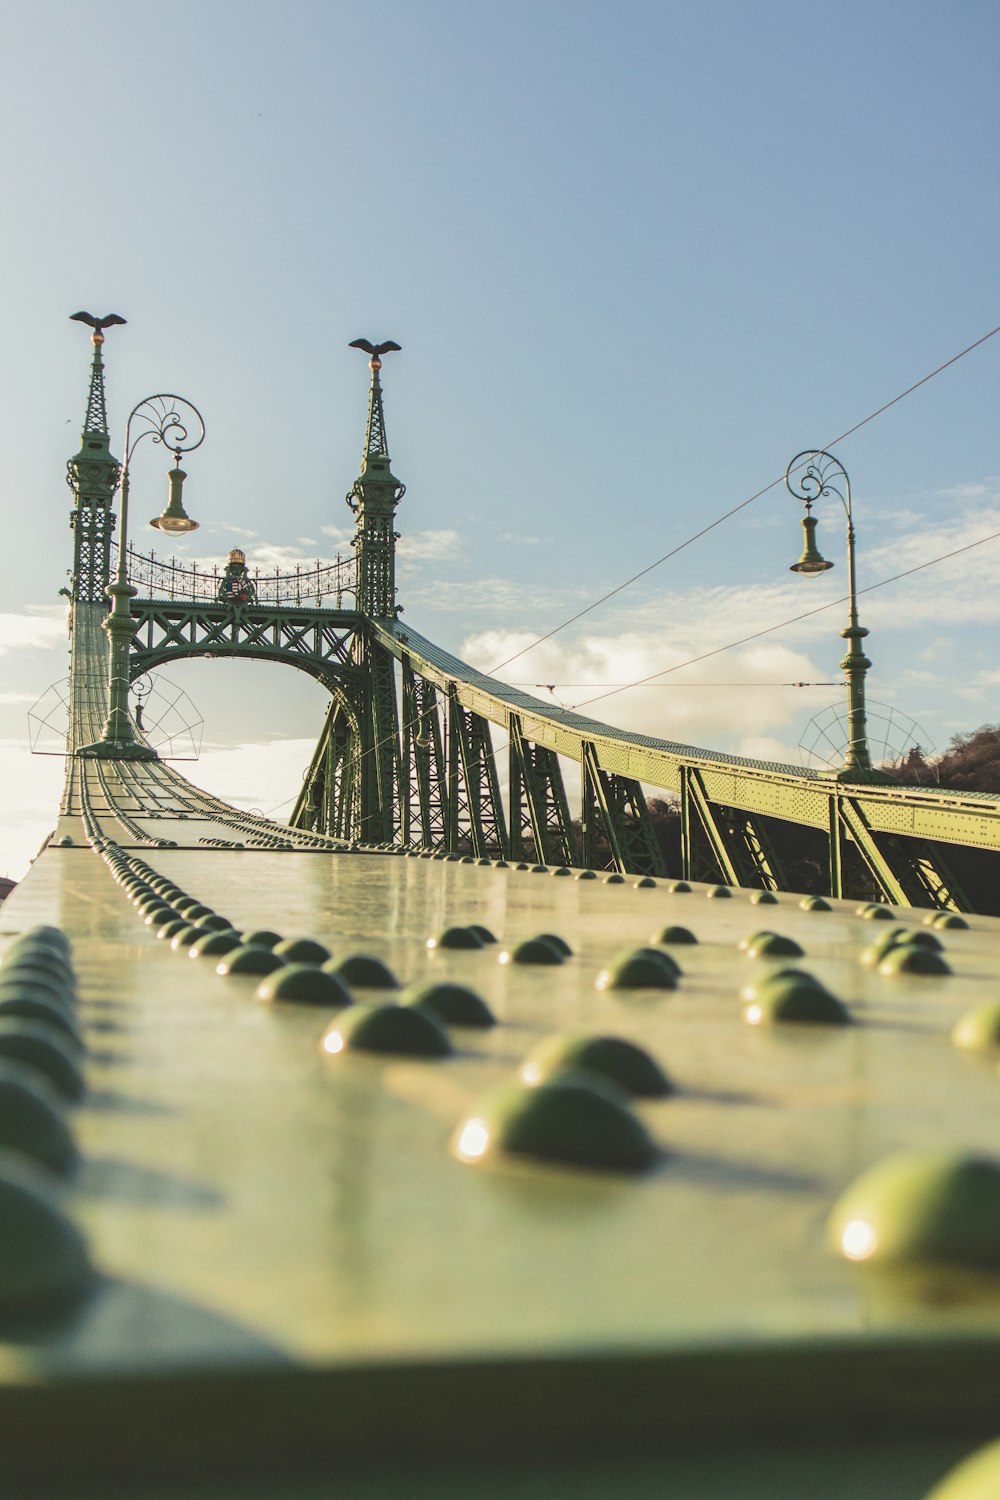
(432, 1142)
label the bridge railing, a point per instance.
(324, 585)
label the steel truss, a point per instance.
(735, 847)
(320, 642)
(539, 812)
(615, 806)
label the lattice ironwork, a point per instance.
(322, 585)
(317, 641)
(425, 821)
(615, 806)
(538, 809)
(475, 811)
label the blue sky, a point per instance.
(636, 258)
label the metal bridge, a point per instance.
(435, 1141)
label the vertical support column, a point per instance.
(687, 851)
(836, 847)
(454, 769)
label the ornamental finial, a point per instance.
(96, 418)
(376, 443)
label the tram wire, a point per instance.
(681, 546)
(704, 531)
(614, 689)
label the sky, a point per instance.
(637, 257)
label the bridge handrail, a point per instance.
(310, 586)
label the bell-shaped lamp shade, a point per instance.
(174, 519)
(812, 560)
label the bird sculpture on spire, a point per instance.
(375, 350)
(97, 324)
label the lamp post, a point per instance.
(810, 476)
(178, 425)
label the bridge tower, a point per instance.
(92, 474)
(373, 498)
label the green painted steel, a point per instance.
(392, 766)
(308, 1255)
(900, 824)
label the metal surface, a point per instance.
(259, 1209)
(312, 1260)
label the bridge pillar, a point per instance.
(92, 474)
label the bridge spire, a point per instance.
(92, 475)
(373, 498)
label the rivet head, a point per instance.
(679, 888)
(947, 920)
(533, 951)
(215, 945)
(43, 1257)
(574, 1119)
(770, 945)
(302, 951)
(641, 969)
(719, 892)
(363, 969)
(586, 875)
(896, 938)
(260, 937)
(35, 1007)
(613, 1058)
(247, 959)
(763, 898)
(170, 929)
(870, 912)
(791, 996)
(453, 1004)
(614, 879)
(306, 984)
(387, 1028)
(646, 883)
(911, 958)
(455, 937)
(979, 1029)
(46, 1050)
(815, 903)
(32, 1121)
(922, 1207)
(482, 933)
(674, 934)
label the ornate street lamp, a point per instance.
(178, 425)
(810, 476)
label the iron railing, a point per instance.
(322, 585)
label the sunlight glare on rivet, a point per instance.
(754, 1014)
(531, 1073)
(474, 1139)
(333, 1042)
(858, 1239)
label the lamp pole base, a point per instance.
(117, 750)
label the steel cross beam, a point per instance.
(317, 641)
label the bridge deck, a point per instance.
(295, 1264)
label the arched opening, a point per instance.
(261, 724)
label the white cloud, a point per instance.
(723, 703)
(30, 791)
(427, 546)
(39, 629)
(265, 776)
